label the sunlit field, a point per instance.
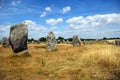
(98, 61)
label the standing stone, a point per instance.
(117, 42)
(67, 42)
(76, 41)
(5, 42)
(18, 37)
(63, 41)
(85, 42)
(38, 41)
(33, 42)
(58, 41)
(50, 41)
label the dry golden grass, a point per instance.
(88, 62)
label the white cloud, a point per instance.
(33, 26)
(93, 21)
(52, 28)
(4, 30)
(48, 9)
(4, 27)
(30, 22)
(43, 14)
(36, 30)
(14, 3)
(94, 26)
(53, 22)
(66, 9)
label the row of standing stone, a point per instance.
(19, 36)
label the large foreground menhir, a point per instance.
(18, 37)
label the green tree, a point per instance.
(42, 39)
(60, 38)
(70, 39)
(30, 40)
(104, 38)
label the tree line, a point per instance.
(43, 39)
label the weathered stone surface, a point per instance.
(33, 42)
(117, 42)
(67, 42)
(18, 37)
(63, 41)
(85, 42)
(38, 41)
(76, 41)
(5, 42)
(50, 41)
(58, 41)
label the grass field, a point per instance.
(87, 62)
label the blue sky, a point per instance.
(85, 18)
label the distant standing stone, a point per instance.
(117, 42)
(63, 41)
(50, 41)
(18, 37)
(85, 42)
(76, 41)
(67, 42)
(38, 41)
(58, 41)
(5, 42)
(33, 42)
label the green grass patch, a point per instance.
(43, 62)
(39, 71)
